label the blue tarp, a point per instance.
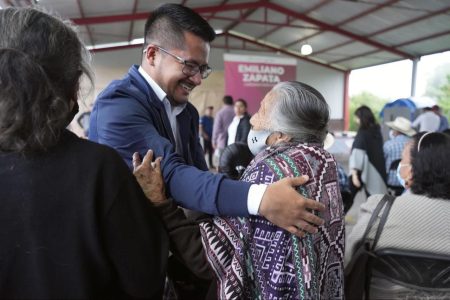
(404, 102)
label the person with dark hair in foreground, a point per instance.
(149, 109)
(418, 220)
(74, 223)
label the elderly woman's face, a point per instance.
(260, 120)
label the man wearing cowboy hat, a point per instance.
(400, 133)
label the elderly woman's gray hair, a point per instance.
(299, 111)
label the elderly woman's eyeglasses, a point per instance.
(189, 68)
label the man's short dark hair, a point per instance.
(431, 165)
(167, 24)
(227, 100)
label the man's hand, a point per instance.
(285, 207)
(149, 177)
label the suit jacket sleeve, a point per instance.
(125, 121)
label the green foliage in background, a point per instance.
(444, 97)
(365, 98)
(438, 87)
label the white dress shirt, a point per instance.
(171, 110)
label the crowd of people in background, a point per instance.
(135, 211)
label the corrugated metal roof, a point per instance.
(344, 34)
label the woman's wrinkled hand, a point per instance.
(149, 176)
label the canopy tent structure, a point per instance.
(404, 104)
(344, 34)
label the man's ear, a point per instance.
(150, 55)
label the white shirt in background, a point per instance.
(232, 129)
(427, 121)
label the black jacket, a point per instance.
(74, 224)
(243, 129)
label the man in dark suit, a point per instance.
(149, 109)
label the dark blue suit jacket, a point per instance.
(129, 117)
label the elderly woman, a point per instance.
(418, 219)
(74, 224)
(251, 257)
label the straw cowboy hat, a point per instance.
(402, 125)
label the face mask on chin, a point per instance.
(399, 177)
(256, 140)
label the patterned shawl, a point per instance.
(254, 259)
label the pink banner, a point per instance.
(251, 77)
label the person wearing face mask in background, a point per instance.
(418, 219)
(400, 133)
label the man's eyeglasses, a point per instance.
(189, 68)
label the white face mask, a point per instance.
(256, 140)
(399, 177)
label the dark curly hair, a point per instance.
(41, 61)
(430, 162)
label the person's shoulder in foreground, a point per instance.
(70, 208)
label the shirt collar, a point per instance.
(159, 92)
(155, 87)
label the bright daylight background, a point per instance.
(376, 86)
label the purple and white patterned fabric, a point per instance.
(254, 259)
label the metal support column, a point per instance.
(414, 76)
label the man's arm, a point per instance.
(129, 125)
